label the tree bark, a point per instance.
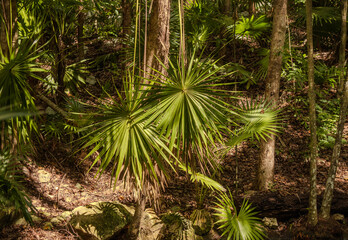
(267, 151)
(330, 182)
(80, 23)
(158, 38)
(8, 25)
(342, 53)
(312, 211)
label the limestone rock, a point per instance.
(150, 226)
(201, 222)
(57, 220)
(338, 217)
(66, 215)
(22, 222)
(99, 220)
(91, 80)
(43, 176)
(270, 222)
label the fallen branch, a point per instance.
(54, 106)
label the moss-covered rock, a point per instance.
(99, 220)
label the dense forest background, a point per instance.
(160, 119)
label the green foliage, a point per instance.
(188, 107)
(125, 140)
(240, 224)
(252, 27)
(176, 227)
(201, 22)
(258, 120)
(327, 123)
(11, 191)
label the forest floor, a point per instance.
(56, 182)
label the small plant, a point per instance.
(240, 224)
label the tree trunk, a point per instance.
(312, 211)
(266, 164)
(80, 44)
(158, 37)
(251, 8)
(342, 53)
(8, 25)
(330, 182)
(60, 68)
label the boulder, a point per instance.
(270, 222)
(338, 217)
(43, 176)
(99, 220)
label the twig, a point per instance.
(57, 200)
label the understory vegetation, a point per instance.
(166, 104)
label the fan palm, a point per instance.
(240, 224)
(188, 108)
(123, 139)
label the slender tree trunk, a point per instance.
(60, 68)
(8, 31)
(267, 151)
(342, 53)
(134, 226)
(312, 211)
(251, 8)
(330, 182)
(80, 44)
(126, 19)
(158, 37)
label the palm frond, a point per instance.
(188, 108)
(123, 139)
(242, 224)
(11, 191)
(259, 119)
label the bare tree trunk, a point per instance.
(8, 25)
(158, 37)
(251, 8)
(80, 44)
(267, 151)
(312, 211)
(60, 67)
(342, 53)
(330, 182)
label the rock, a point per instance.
(91, 80)
(338, 217)
(43, 176)
(270, 222)
(99, 220)
(176, 227)
(47, 226)
(150, 226)
(57, 220)
(201, 222)
(50, 111)
(22, 222)
(66, 215)
(43, 211)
